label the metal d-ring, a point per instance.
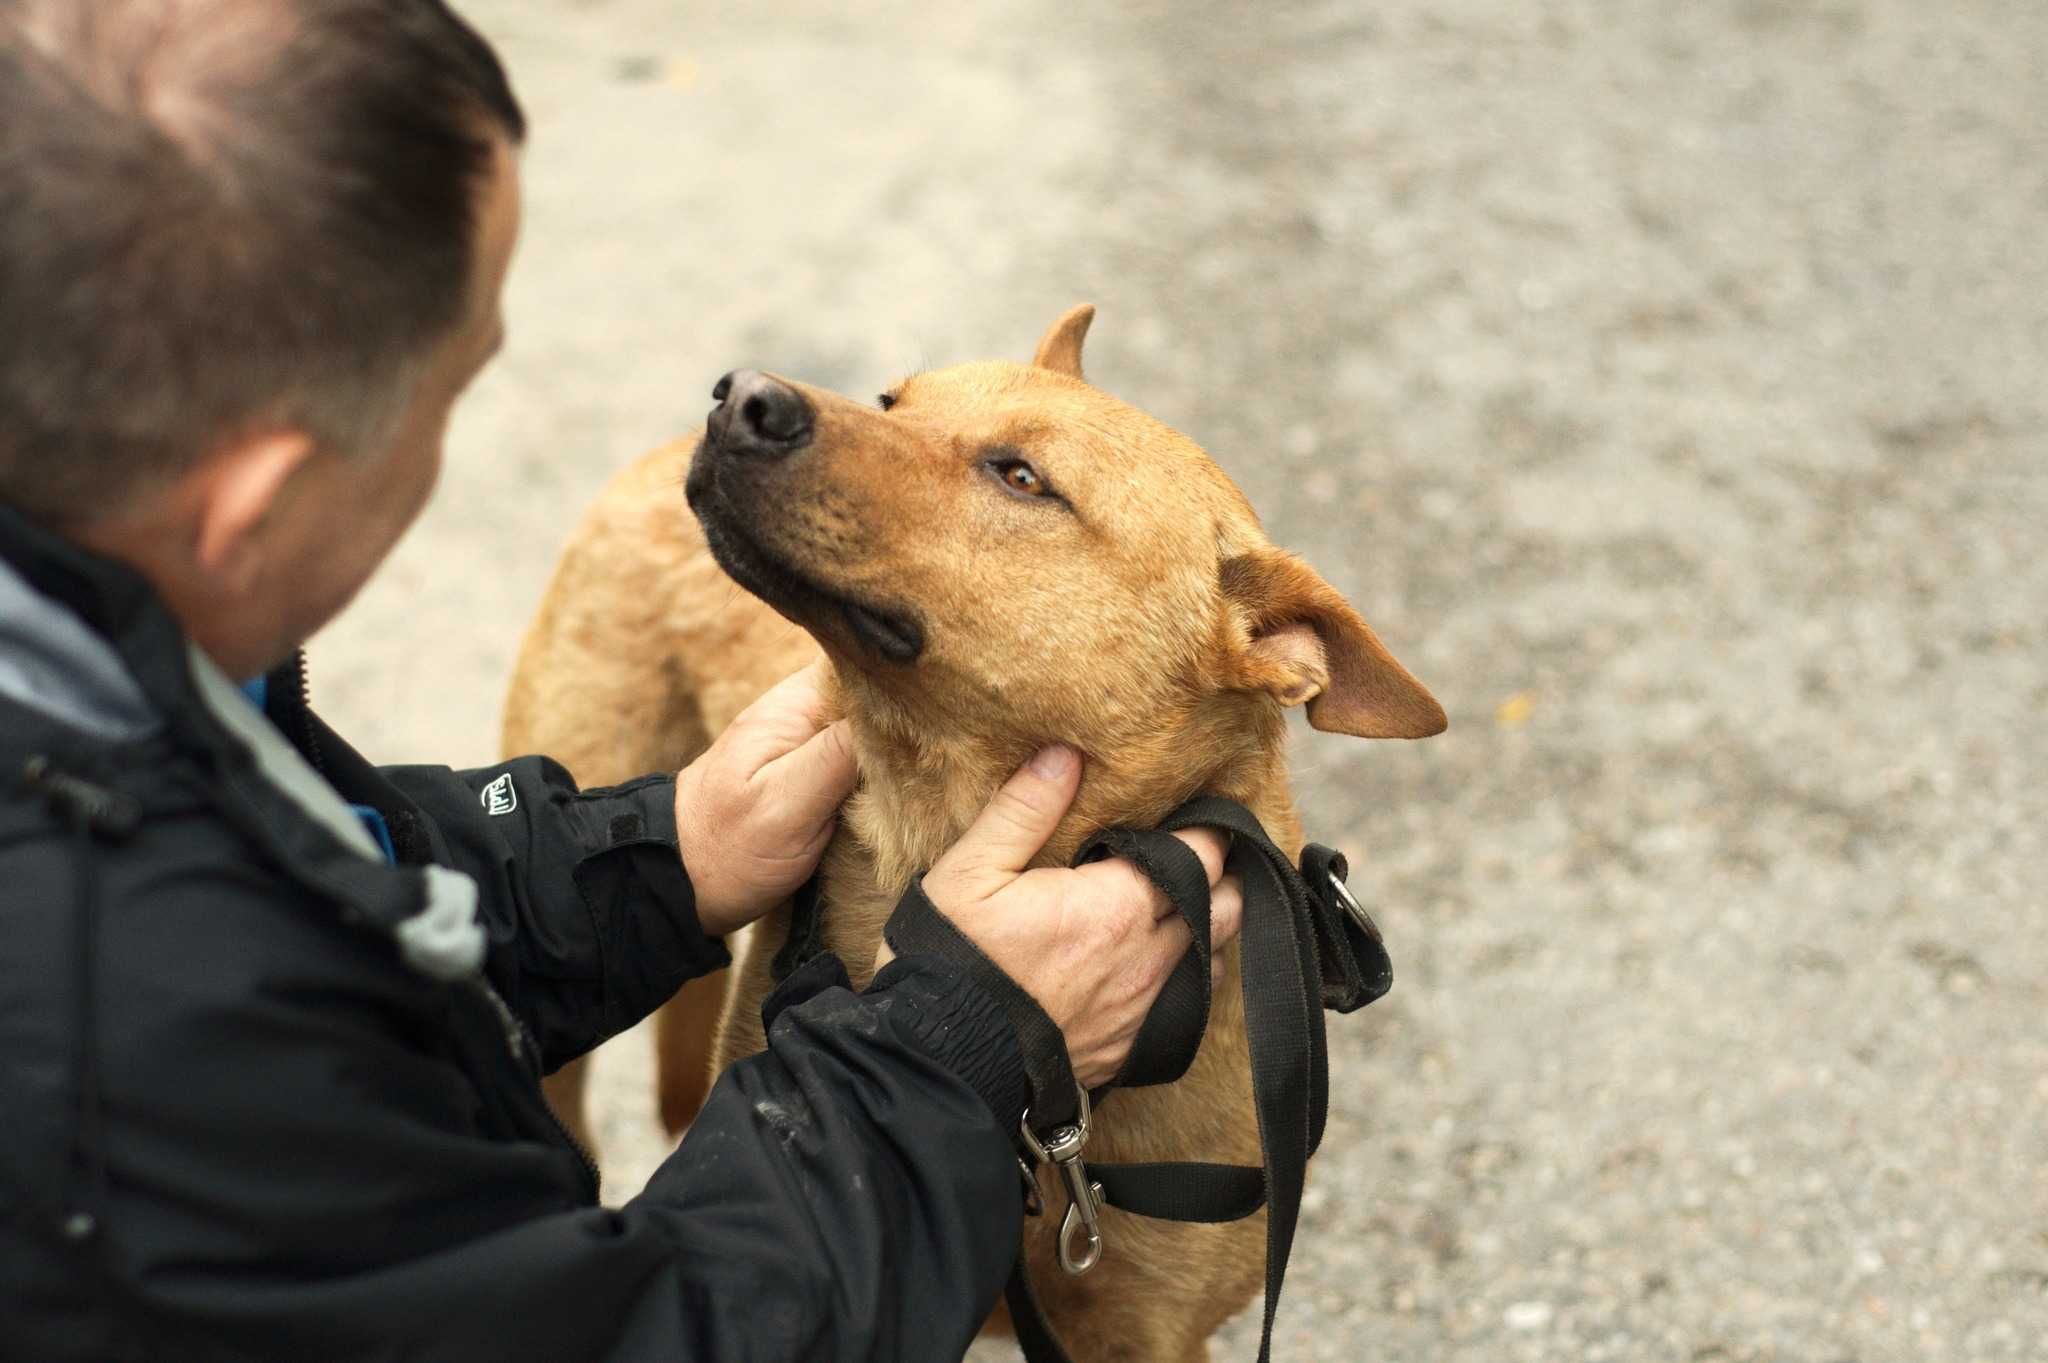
(1349, 903)
(1062, 1149)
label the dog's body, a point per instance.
(644, 649)
(1006, 558)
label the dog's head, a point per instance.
(1004, 550)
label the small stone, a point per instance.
(1528, 1315)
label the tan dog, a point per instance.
(1000, 557)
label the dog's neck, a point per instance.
(921, 789)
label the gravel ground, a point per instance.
(1666, 382)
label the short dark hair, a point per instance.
(222, 214)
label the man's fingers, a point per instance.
(1116, 882)
(1226, 917)
(1117, 878)
(1226, 911)
(1171, 942)
(1009, 833)
(783, 719)
(801, 693)
(1211, 845)
(819, 775)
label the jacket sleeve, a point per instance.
(300, 1180)
(589, 909)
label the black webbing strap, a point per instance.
(806, 930)
(1172, 1032)
(1306, 946)
(1027, 1319)
(1356, 969)
(1283, 1017)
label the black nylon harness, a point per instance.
(1307, 945)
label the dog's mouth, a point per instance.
(892, 633)
(894, 636)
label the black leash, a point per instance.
(1307, 945)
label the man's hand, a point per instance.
(1094, 944)
(754, 813)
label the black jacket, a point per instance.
(256, 1104)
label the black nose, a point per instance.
(758, 414)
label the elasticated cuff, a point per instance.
(964, 1029)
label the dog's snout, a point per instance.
(760, 415)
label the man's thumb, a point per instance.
(1009, 833)
(821, 774)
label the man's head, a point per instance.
(252, 253)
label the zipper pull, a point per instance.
(106, 812)
(515, 1031)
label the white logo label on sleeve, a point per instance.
(498, 797)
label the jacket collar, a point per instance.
(87, 641)
(54, 663)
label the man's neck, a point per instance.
(233, 632)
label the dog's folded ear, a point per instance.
(1060, 348)
(1303, 643)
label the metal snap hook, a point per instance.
(1062, 1149)
(1081, 1216)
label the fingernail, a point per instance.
(1051, 763)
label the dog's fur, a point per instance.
(1141, 615)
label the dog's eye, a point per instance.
(1019, 476)
(885, 401)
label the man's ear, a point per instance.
(1060, 348)
(237, 489)
(1307, 645)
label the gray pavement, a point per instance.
(1665, 382)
